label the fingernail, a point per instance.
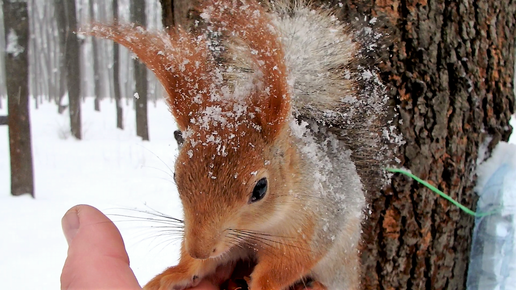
(70, 224)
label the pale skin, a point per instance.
(97, 258)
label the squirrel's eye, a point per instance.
(259, 191)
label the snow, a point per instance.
(503, 153)
(12, 46)
(110, 169)
(512, 139)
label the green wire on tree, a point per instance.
(442, 194)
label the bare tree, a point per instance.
(3, 92)
(116, 76)
(96, 66)
(44, 62)
(67, 24)
(140, 74)
(16, 25)
(180, 13)
(168, 13)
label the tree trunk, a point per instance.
(16, 25)
(448, 67)
(62, 77)
(116, 76)
(67, 24)
(179, 13)
(140, 75)
(95, 54)
(3, 92)
(167, 15)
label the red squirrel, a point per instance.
(255, 183)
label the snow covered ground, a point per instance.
(110, 169)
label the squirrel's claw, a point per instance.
(170, 280)
(310, 285)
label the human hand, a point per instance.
(97, 258)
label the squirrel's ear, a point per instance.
(180, 61)
(248, 22)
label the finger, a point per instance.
(96, 255)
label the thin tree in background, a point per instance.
(96, 66)
(16, 25)
(45, 66)
(3, 88)
(116, 76)
(69, 43)
(168, 14)
(179, 13)
(140, 74)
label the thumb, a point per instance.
(96, 255)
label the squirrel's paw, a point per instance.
(171, 280)
(310, 285)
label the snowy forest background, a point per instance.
(47, 79)
(112, 169)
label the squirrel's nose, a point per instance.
(200, 241)
(200, 252)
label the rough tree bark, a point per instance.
(16, 25)
(116, 76)
(140, 75)
(69, 47)
(448, 68)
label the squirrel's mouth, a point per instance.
(233, 275)
(240, 276)
(237, 275)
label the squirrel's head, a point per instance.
(237, 160)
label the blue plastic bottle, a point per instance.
(493, 260)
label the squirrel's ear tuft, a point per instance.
(247, 22)
(180, 61)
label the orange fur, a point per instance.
(247, 20)
(186, 69)
(181, 63)
(225, 153)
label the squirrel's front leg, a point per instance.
(188, 273)
(278, 270)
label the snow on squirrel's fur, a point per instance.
(236, 90)
(318, 51)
